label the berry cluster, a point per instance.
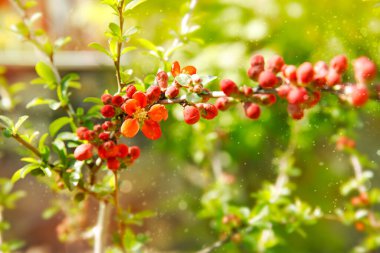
(301, 86)
(103, 141)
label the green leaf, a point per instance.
(131, 31)
(21, 29)
(6, 122)
(57, 124)
(21, 173)
(128, 49)
(53, 104)
(148, 44)
(133, 4)
(41, 143)
(94, 100)
(100, 48)
(45, 72)
(183, 79)
(50, 212)
(19, 123)
(62, 41)
(115, 29)
(30, 4)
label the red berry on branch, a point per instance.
(252, 110)
(113, 164)
(357, 95)
(104, 136)
(290, 72)
(191, 114)
(130, 90)
(172, 92)
(106, 99)
(297, 95)
(222, 104)
(97, 128)
(107, 125)
(153, 93)
(295, 111)
(254, 72)
(83, 152)
(117, 100)
(82, 133)
(283, 90)
(162, 79)
(122, 150)
(339, 63)
(275, 63)
(267, 79)
(267, 99)
(365, 69)
(248, 91)
(228, 87)
(333, 78)
(134, 152)
(108, 111)
(257, 60)
(305, 73)
(208, 111)
(320, 72)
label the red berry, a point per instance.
(208, 111)
(162, 79)
(314, 99)
(268, 99)
(106, 99)
(122, 150)
(153, 93)
(222, 104)
(107, 125)
(320, 72)
(305, 73)
(83, 152)
(108, 111)
(295, 111)
(339, 63)
(297, 95)
(134, 152)
(343, 142)
(283, 90)
(254, 72)
(104, 136)
(333, 78)
(228, 86)
(82, 133)
(365, 69)
(252, 110)
(257, 60)
(172, 92)
(248, 91)
(275, 63)
(113, 164)
(290, 72)
(358, 94)
(191, 114)
(107, 150)
(117, 100)
(267, 79)
(130, 90)
(97, 128)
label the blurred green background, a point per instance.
(175, 170)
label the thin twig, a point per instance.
(119, 45)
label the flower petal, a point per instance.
(151, 129)
(130, 127)
(141, 98)
(130, 106)
(176, 69)
(191, 70)
(158, 112)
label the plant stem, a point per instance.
(1, 220)
(99, 229)
(119, 45)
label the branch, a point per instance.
(119, 45)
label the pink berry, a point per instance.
(339, 63)
(222, 104)
(191, 114)
(83, 152)
(172, 92)
(290, 72)
(305, 73)
(257, 60)
(297, 95)
(252, 110)
(295, 111)
(365, 69)
(275, 63)
(228, 86)
(267, 79)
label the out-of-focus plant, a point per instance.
(84, 152)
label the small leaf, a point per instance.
(20, 121)
(57, 124)
(128, 49)
(99, 47)
(133, 4)
(148, 44)
(6, 122)
(115, 29)
(50, 212)
(131, 31)
(62, 41)
(53, 104)
(21, 173)
(94, 100)
(45, 72)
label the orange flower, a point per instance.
(138, 114)
(176, 69)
